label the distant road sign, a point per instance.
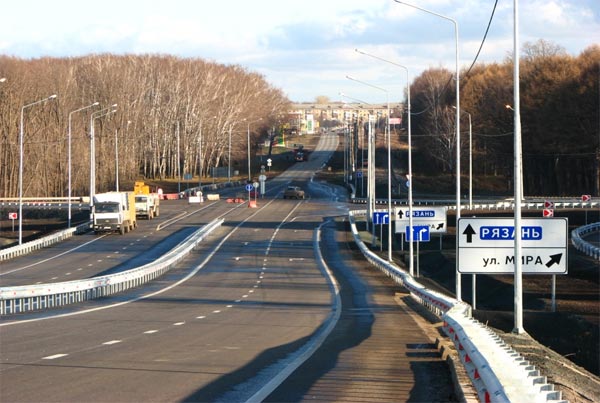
(434, 217)
(486, 245)
(586, 198)
(381, 217)
(13, 216)
(249, 187)
(548, 212)
(420, 233)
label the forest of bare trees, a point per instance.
(160, 99)
(560, 115)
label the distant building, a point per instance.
(307, 118)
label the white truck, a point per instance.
(114, 211)
(147, 205)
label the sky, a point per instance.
(305, 48)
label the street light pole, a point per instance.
(470, 161)
(21, 164)
(410, 175)
(249, 166)
(95, 115)
(69, 159)
(116, 160)
(389, 162)
(229, 157)
(518, 194)
(457, 82)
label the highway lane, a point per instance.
(88, 255)
(217, 327)
(248, 296)
(258, 298)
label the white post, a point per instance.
(229, 158)
(249, 174)
(95, 115)
(69, 215)
(518, 276)
(116, 161)
(457, 82)
(21, 149)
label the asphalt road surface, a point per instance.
(228, 318)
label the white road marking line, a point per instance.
(237, 301)
(53, 257)
(178, 323)
(217, 311)
(68, 274)
(55, 356)
(150, 331)
(108, 343)
(250, 291)
(244, 296)
(183, 280)
(200, 317)
(229, 306)
(53, 278)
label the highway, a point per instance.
(226, 320)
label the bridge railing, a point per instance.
(17, 299)
(497, 371)
(581, 244)
(492, 205)
(43, 242)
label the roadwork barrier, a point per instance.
(18, 299)
(497, 371)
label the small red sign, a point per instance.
(586, 198)
(548, 212)
(548, 204)
(13, 216)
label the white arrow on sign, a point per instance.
(434, 217)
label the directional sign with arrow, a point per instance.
(432, 217)
(486, 245)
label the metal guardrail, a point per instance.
(17, 299)
(486, 204)
(43, 242)
(581, 244)
(498, 372)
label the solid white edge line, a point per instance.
(55, 356)
(317, 340)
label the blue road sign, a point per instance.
(249, 187)
(494, 233)
(359, 174)
(381, 217)
(420, 233)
